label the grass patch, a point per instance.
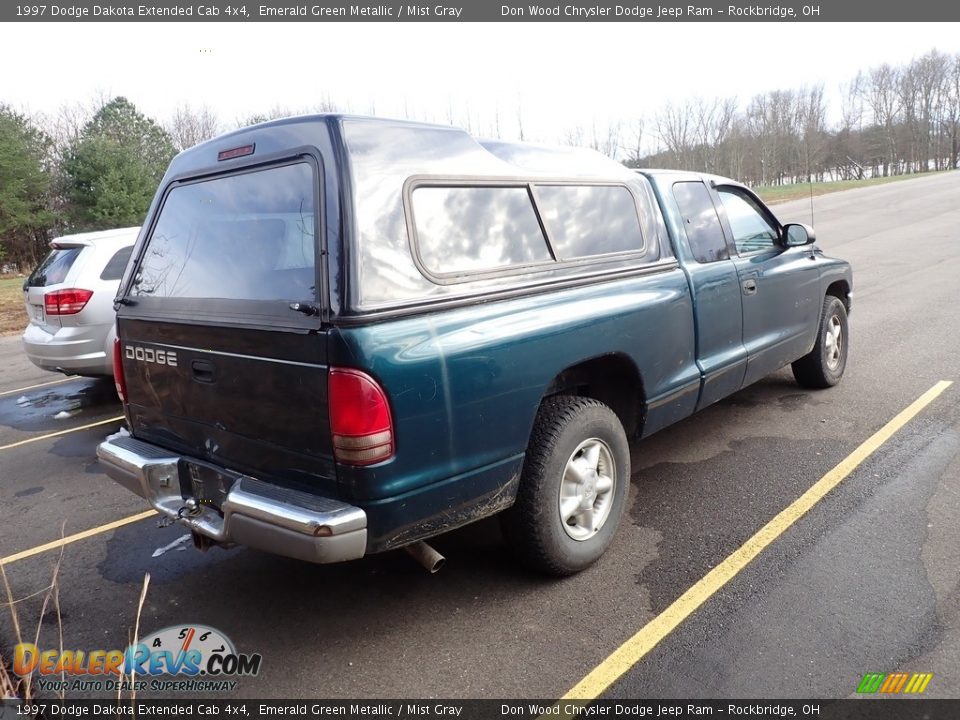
(13, 315)
(798, 191)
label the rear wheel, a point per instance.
(574, 486)
(823, 366)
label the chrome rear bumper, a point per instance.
(254, 513)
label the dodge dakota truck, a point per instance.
(342, 335)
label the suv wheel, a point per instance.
(573, 491)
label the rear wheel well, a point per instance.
(840, 289)
(613, 380)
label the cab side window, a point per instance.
(700, 220)
(752, 231)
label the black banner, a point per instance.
(479, 11)
(902, 709)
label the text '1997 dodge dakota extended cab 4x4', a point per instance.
(342, 335)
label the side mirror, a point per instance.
(796, 234)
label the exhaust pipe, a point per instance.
(429, 558)
(201, 542)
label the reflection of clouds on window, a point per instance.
(751, 231)
(384, 158)
(477, 228)
(586, 220)
(702, 225)
(248, 236)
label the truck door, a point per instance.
(715, 287)
(780, 288)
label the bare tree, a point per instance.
(326, 104)
(606, 138)
(713, 123)
(520, 133)
(951, 113)
(881, 96)
(634, 149)
(189, 126)
(274, 113)
(847, 146)
(930, 76)
(575, 136)
(811, 125)
(675, 129)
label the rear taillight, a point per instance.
(359, 418)
(118, 378)
(66, 302)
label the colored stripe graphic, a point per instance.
(918, 683)
(898, 685)
(894, 683)
(871, 682)
(889, 683)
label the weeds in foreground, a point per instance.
(12, 686)
(8, 689)
(135, 639)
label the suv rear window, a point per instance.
(238, 237)
(54, 268)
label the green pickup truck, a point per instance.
(342, 335)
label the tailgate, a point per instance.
(223, 348)
(254, 401)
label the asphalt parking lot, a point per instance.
(866, 581)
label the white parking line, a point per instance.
(61, 432)
(31, 387)
(10, 559)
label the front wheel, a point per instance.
(823, 366)
(573, 490)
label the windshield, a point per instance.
(240, 237)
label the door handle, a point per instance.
(203, 371)
(749, 287)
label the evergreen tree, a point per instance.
(25, 182)
(113, 170)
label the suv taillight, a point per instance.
(66, 302)
(359, 418)
(118, 378)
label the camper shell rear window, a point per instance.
(245, 236)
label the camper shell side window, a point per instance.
(464, 229)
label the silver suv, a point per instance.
(69, 301)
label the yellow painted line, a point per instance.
(650, 635)
(77, 537)
(61, 432)
(32, 387)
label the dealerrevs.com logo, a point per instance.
(183, 658)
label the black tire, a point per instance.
(823, 366)
(566, 431)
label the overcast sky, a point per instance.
(560, 74)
